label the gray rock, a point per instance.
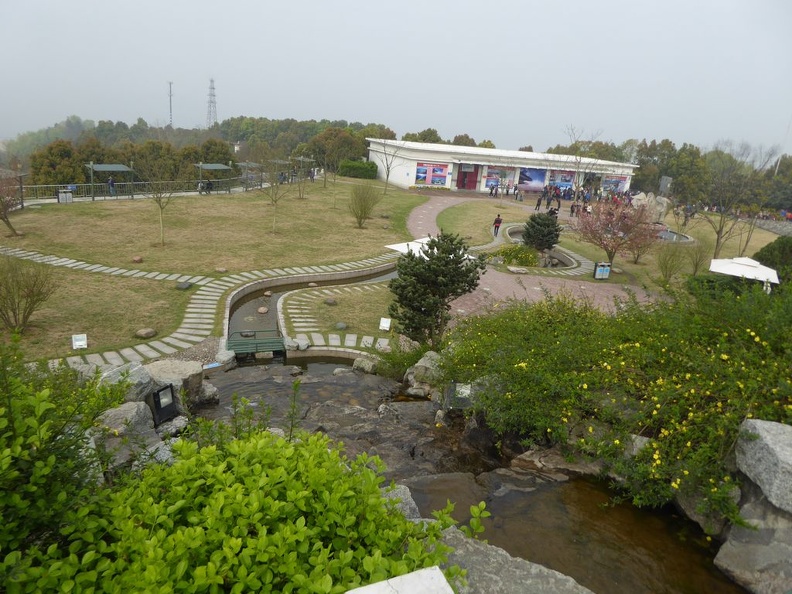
(764, 454)
(141, 384)
(303, 344)
(183, 286)
(173, 427)
(330, 301)
(491, 570)
(225, 358)
(131, 418)
(340, 326)
(262, 310)
(342, 371)
(426, 371)
(365, 364)
(290, 344)
(208, 394)
(146, 333)
(405, 503)
(186, 377)
(221, 270)
(759, 557)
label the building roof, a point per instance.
(118, 167)
(506, 158)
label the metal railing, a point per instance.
(130, 190)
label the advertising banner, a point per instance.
(560, 178)
(614, 183)
(434, 174)
(498, 176)
(532, 180)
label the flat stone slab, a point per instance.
(180, 336)
(95, 358)
(162, 347)
(131, 354)
(74, 361)
(317, 339)
(334, 340)
(381, 344)
(350, 340)
(176, 342)
(147, 351)
(113, 358)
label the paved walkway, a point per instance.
(200, 314)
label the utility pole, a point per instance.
(170, 102)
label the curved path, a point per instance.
(200, 314)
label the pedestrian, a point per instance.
(111, 185)
(492, 189)
(496, 224)
(538, 203)
(209, 186)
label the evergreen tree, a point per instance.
(428, 282)
(541, 232)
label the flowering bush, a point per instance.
(683, 374)
(519, 255)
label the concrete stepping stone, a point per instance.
(113, 358)
(131, 354)
(162, 347)
(95, 359)
(317, 339)
(350, 340)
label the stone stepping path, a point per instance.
(201, 312)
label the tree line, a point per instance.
(57, 155)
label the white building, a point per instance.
(419, 164)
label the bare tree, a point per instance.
(736, 173)
(24, 287)
(10, 199)
(388, 159)
(278, 186)
(156, 164)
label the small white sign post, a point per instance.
(79, 341)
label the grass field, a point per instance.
(235, 232)
(202, 234)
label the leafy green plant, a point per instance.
(263, 514)
(683, 374)
(475, 527)
(395, 363)
(47, 465)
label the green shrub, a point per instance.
(259, 514)
(359, 169)
(47, 468)
(518, 255)
(541, 231)
(778, 255)
(682, 373)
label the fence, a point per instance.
(127, 190)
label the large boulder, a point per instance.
(126, 431)
(764, 454)
(186, 377)
(426, 371)
(141, 384)
(759, 555)
(365, 364)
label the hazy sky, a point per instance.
(517, 72)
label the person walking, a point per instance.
(496, 224)
(111, 185)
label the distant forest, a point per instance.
(259, 139)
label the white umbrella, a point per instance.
(745, 268)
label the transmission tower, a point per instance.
(211, 112)
(170, 102)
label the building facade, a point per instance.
(445, 166)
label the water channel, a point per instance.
(568, 525)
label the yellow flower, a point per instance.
(724, 356)
(591, 429)
(585, 386)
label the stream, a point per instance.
(561, 522)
